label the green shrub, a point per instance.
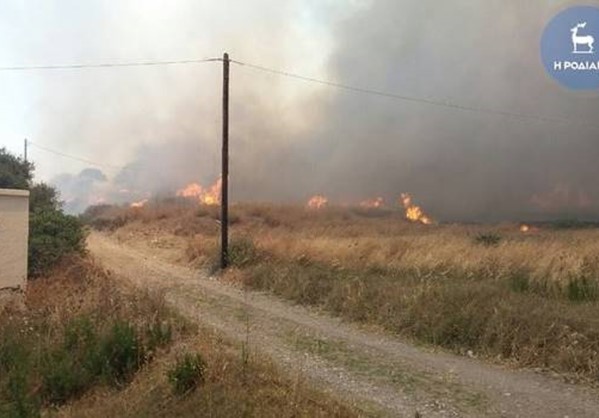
(43, 198)
(187, 374)
(16, 398)
(21, 402)
(86, 357)
(582, 290)
(12, 350)
(82, 341)
(243, 252)
(63, 378)
(520, 283)
(122, 352)
(15, 173)
(79, 333)
(52, 235)
(83, 358)
(488, 239)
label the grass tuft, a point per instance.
(488, 239)
(187, 373)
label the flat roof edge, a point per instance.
(14, 192)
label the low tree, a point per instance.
(15, 173)
(43, 198)
(52, 236)
(52, 233)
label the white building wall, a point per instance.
(14, 231)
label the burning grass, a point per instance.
(525, 297)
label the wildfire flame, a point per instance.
(193, 190)
(139, 204)
(414, 213)
(206, 196)
(317, 202)
(373, 203)
(524, 229)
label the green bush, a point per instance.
(582, 290)
(16, 397)
(122, 352)
(86, 357)
(83, 357)
(520, 283)
(52, 235)
(63, 378)
(243, 252)
(187, 374)
(15, 173)
(43, 198)
(489, 239)
(22, 403)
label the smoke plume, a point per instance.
(291, 139)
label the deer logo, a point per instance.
(578, 40)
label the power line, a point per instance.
(432, 102)
(334, 84)
(107, 65)
(73, 157)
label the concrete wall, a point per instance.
(14, 231)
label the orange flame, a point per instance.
(139, 204)
(209, 196)
(373, 203)
(524, 229)
(193, 190)
(414, 213)
(318, 202)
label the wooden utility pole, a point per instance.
(25, 150)
(224, 203)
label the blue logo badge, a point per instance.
(570, 48)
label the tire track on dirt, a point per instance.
(374, 372)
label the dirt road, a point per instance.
(378, 374)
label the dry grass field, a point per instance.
(523, 298)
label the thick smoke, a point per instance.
(291, 139)
(460, 165)
(79, 191)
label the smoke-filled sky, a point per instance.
(289, 138)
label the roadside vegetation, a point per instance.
(88, 347)
(52, 233)
(78, 331)
(85, 345)
(528, 299)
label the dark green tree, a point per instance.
(15, 173)
(52, 233)
(43, 198)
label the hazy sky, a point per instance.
(289, 138)
(73, 110)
